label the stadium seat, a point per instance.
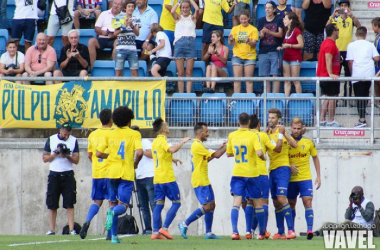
(171, 71)
(11, 6)
(157, 6)
(103, 68)
(183, 111)
(198, 43)
(239, 106)
(308, 69)
(3, 40)
(57, 44)
(104, 6)
(227, 20)
(273, 103)
(212, 109)
(226, 33)
(85, 35)
(199, 70)
(303, 109)
(143, 68)
(166, 107)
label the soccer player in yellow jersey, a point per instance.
(124, 154)
(243, 145)
(164, 180)
(266, 144)
(300, 180)
(99, 169)
(200, 156)
(279, 175)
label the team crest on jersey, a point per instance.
(303, 147)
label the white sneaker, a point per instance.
(50, 232)
(73, 232)
(333, 124)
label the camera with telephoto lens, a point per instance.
(62, 149)
(355, 196)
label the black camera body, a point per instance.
(13, 66)
(356, 196)
(62, 149)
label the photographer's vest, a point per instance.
(60, 164)
(358, 215)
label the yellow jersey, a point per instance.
(243, 145)
(167, 21)
(213, 11)
(199, 164)
(162, 159)
(278, 159)
(121, 144)
(241, 48)
(346, 31)
(266, 143)
(99, 166)
(300, 156)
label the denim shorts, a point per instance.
(297, 4)
(237, 61)
(184, 48)
(123, 55)
(239, 7)
(26, 26)
(268, 64)
(222, 68)
(54, 26)
(292, 63)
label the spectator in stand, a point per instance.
(184, 41)
(317, 12)
(329, 66)
(163, 51)
(87, 9)
(54, 23)
(376, 28)
(74, 59)
(147, 17)
(271, 29)
(24, 21)
(3, 14)
(244, 38)
(241, 5)
(167, 21)
(292, 45)
(217, 54)
(345, 21)
(213, 19)
(296, 7)
(126, 45)
(360, 57)
(282, 8)
(12, 62)
(103, 27)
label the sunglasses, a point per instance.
(39, 58)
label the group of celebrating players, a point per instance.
(120, 150)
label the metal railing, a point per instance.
(222, 112)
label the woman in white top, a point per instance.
(184, 41)
(12, 62)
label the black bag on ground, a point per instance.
(66, 230)
(63, 13)
(127, 225)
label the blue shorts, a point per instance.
(305, 188)
(237, 61)
(207, 29)
(184, 48)
(246, 186)
(23, 26)
(264, 184)
(279, 181)
(297, 4)
(292, 63)
(222, 68)
(99, 189)
(204, 194)
(120, 190)
(169, 190)
(269, 64)
(123, 55)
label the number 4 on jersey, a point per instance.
(121, 150)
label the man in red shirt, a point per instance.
(329, 66)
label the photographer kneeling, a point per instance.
(359, 214)
(62, 151)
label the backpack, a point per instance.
(127, 225)
(66, 230)
(376, 224)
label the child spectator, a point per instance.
(184, 41)
(282, 8)
(126, 45)
(163, 51)
(244, 38)
(292, 45)
(218, 56)
(12, 62)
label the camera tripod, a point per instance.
(130, 206)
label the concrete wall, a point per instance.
(24, 177)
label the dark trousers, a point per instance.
(347, 73)
(145, 192)
(361, 89)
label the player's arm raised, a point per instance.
(291, 141)
(178, 146)
(318, 170)
(229, 151)
(218, 153)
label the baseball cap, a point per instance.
(67, 126)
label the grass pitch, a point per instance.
(139, 242)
